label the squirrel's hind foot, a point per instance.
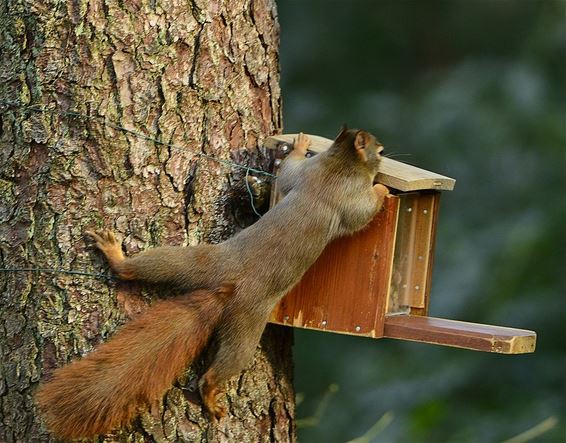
(209, 392)
(210, 401)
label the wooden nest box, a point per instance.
(377, 282)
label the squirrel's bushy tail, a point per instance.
(106, 389)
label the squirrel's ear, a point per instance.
(342, 134)
(360, 142)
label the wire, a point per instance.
(248, 187)
(38, 108)
(57, 271)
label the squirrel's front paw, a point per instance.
(105, 239)
(111, 247)
(301, 144)
(380, 190)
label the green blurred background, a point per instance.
(475, 90)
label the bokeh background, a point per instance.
(476, 90)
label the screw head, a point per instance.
(323, 323)
(192, 386)
(358, 329)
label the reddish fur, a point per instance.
(107, 388)
(133, 370)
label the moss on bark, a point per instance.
(200, 75)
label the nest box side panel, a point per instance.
(414, 253)
(346, 289)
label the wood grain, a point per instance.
(393, 173)
(460, 334)
(346, 289)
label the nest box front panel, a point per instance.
(414, 253)
(346, 290)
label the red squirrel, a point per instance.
(231, 289)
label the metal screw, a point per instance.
(323, 322)
(417, 288)
(409, 209)
(358, 329)
(191, 386)
(420, 257)
(286, 318)
(425, 211)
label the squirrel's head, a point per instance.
(361, 145)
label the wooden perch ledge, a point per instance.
(460, 334)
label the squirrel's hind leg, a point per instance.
(237, 342)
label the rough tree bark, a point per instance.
(201, 75)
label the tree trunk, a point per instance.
(111, 115)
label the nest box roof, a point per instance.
(393, 173)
